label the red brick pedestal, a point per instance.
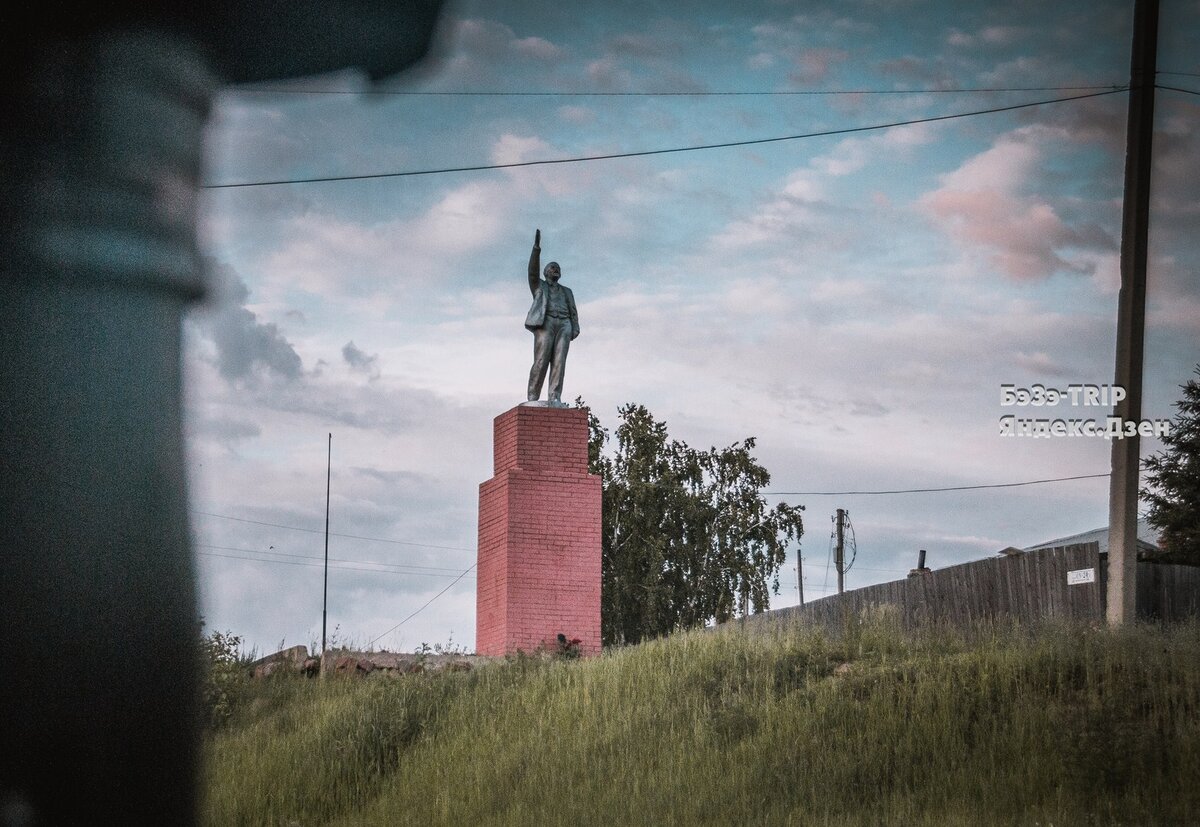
(539, 535)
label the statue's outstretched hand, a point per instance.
(537, 238)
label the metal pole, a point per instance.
(1131, 317)
(840, 558)
(325, 596)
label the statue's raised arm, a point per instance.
(535, 261)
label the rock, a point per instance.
(265, 670)
(289, 659)
(350, 665)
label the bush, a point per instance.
(224, 676)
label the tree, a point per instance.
(224, 674)
(1174, 482)
(687, 537)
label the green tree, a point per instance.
(687, 536)
(224, 678)
(1173, 479)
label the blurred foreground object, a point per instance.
(101, 150)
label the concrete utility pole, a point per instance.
(1131, 316)
(840, 554)
(800, 576)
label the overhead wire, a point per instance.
(853, 547)
(332, 533)
(438, 571)
(425, 606)
(929, 490)
(320, 565)
(1177, 89)
(669, 150)
(499, 93)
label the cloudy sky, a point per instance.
(855, 301)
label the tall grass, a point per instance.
(1000, 725)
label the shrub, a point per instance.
(224, 676)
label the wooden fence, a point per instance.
(1066, 582)
(1166, 592)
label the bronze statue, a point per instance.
(554, 323)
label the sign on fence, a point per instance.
(1078, 576)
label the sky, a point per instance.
(855, 301)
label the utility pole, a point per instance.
(839, 559)
(800, 576)
(1131, 317)
(325, 595)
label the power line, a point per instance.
(443, 571)
(648, 152)
(1176, 89)
(1184, 74)
(321, 565)
(418, 611)
(666, 94)
(333, 533)
(930, 490)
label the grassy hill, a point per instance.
(1004, 725)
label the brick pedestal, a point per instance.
(539, 535)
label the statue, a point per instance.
(554, 323)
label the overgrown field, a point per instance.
(1003, 725)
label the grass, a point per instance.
(1002, 725)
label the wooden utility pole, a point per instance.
(1131, 317)
(840, 554)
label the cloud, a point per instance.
(479, 38)
(607, 75)
(761, 60)
(578, 115)
(1041, 364)
(489, 41)
(959, 38)
(1000, 35)
(246, 349)
(814, 65)
(515, 149)
(224, 429)
(924, 71)
(330, 256)
(479, 49)
(538, 48)
(803, 203)
(359, 361)
(793, 211)
(983, 205)
(643, 45)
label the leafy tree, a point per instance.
(1174, 480)
(223, 675)
(687, 536)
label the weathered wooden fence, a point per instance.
(1168, 592)
(1066, 582)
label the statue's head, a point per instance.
(552, 271)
